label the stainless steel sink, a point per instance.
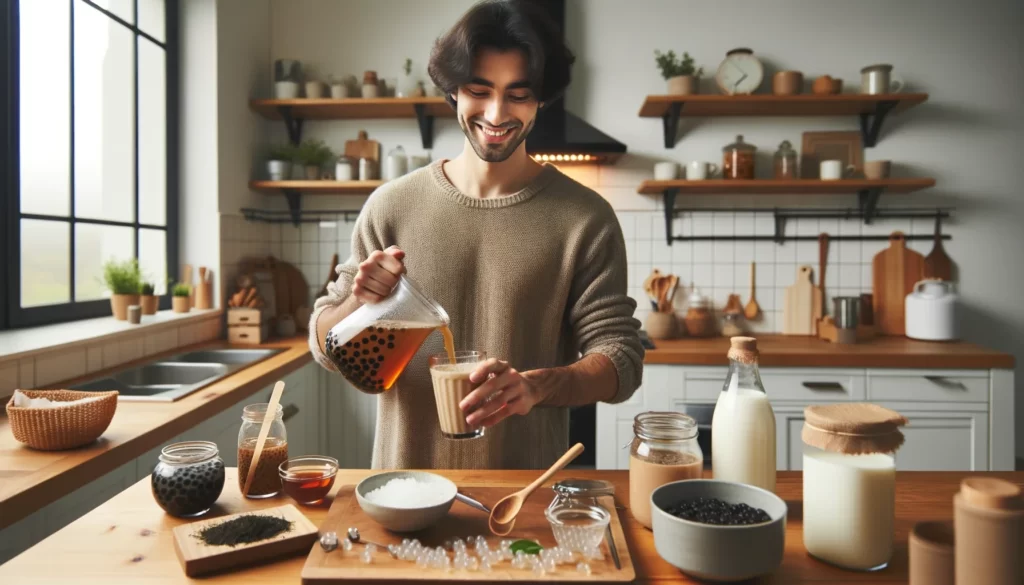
(168, 379)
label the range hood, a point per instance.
(563, 137)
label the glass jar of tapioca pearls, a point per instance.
(266, 481)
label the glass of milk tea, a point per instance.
(450, 375)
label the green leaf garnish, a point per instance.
(527, 546)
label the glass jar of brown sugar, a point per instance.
(738, 160)
(664, 450)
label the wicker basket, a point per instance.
(64, 427)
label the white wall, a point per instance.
(965, 136)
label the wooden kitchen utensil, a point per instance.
(937, 264)
(268, 418)
(503, 514)
(894, 271)
(198, 558)
(819, 292)
(649, 286)
(332, 275)
(752, 310)
(204, 289)
(798, 307)
(186, 278)
(363, 147)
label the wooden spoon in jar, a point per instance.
(503, 514)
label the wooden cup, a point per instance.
(788, 83)
(932, 553)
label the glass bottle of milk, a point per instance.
(743, 426)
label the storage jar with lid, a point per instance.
(188, 478)
(849, 480)
(345, 169)
(930, 311)
(699, 320)
(785, 161)
(738, 160)
(266, 481)
(988, 518)
(397, 164)
(664, 450)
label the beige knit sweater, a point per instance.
(536, 278)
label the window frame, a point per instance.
(12, 314)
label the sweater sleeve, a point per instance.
(365, 239)
(600, 311)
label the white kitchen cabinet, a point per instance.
(960, 420)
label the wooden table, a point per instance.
(128, 539)
(810, 352)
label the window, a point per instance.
(88, 165)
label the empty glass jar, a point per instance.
(785, 161)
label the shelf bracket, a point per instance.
(871, 124)
(426, 122)
(867, 200)
(670, 123)
(780, 227)
(294, 125)
(294, 199)
(669, 198)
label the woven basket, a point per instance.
(63, 427)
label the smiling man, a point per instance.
(529, 264)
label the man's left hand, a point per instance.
(503, 392)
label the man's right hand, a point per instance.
(378, 275)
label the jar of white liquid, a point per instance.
(850, 483)
(743, 426)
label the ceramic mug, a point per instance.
(699, 170)
(877, 169)
(832, 170)
(314, 90)
(666, 171)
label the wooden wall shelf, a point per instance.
(783, 186)
(871, 109)
(294, 111)
(294, 190)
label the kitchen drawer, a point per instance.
(929, 385)
(808, 385)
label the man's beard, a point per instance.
(494, 153)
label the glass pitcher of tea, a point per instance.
(372, 346)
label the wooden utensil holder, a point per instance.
(828, 331)
(248, 326)
(203, 295)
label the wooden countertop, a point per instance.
(811, 352)
(31, 479)
(128, 539)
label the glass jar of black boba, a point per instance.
(188, 478)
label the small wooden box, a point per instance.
(242, 316)
(249, 334)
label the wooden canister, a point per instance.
(988, 516)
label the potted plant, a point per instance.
(682, 77)
(148, 300)
(287, 74)
(313, 155)
(279, 161)
(407, 85)
(124, 280)
(181, 298)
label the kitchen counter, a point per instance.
(31, 479)
(128, 539)
(811, 352)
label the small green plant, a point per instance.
(314, 153)
(407, 67)
(671, 66)
(148, 288)
(123, 278)
(181, 290)
(285, 152)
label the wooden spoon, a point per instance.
(752, 310)
(268, 418)
(503, 514)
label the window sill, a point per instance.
(19, 343)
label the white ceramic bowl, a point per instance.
(398, 519)
(719, 553)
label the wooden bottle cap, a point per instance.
(743, 349)
(991, 492)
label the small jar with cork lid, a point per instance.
(988, 517)
(850, 483)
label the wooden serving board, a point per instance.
(462, 521)
(198, 558)
(894, 271)
(800, 300)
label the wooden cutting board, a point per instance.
(462, 521)
(937, 264)
(198, 558)
(894, 271)
(363, 147)
(798, 307)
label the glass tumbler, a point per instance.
(450, 376)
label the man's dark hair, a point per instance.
(503, 25)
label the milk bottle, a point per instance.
(743, 426)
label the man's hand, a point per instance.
(503, 392)
(378, 275)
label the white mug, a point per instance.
(666, 171)
(832, 170)
(699, 170)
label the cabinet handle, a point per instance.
(824, 386)
(946, 382)
(288, 412)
